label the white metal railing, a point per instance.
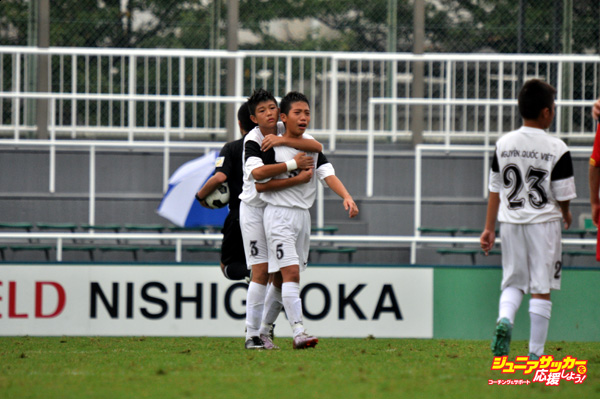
(485, 152)
(93, 146)
(181, 239)
(459, 77)
(339, 86)
(164, 131)
(122, 72)
(486, 134)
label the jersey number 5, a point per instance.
(513, 181)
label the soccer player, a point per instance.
(287, 217)
(531, 185)
(265, 112)
(229, 169)
(596, 110)
(594, 176)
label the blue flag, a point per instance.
(179, 204)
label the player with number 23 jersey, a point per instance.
(531, 170)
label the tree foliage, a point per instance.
(345, 25)
(94, 23)
(493, 25)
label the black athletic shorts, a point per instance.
(232, 248)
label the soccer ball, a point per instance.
(218, 198)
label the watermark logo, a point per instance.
(545, 370)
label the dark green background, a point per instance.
(466, 305)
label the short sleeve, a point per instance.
(224, 162)
(324, 167)
(495, 182)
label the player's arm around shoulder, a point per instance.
(281, 184)
(300, 161)
(338, 187)
(307, 144)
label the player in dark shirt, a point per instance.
(229, 169)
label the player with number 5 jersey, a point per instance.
(264, 291)
(531, 185)
(287, 216)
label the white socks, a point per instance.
(290, 293)
(255, 303)
(273, 305)
(510, 300)
(539, 314)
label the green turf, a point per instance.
(111, 367)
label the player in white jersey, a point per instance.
(287, 217)
(264, 112)
(531, 185)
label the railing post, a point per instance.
(182, 94)
(500, 96)
(178, 250)
(74, 101)
(167, 138)
(239, 87)
(394, 107)
(52, 177)
(288, 73)
(17, 90)
(559, 84)
(59, 249)
(320, 206)
(448, 107)
(486, 161)
(418, 175)
(131, 102)
(92, 205)
(370, 148)
(333, 103)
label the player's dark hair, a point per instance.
(534, 97)
(258, 96)
(243, 116)
(289, 99)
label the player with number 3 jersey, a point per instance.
(264, 291)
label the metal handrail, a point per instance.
(181, 238)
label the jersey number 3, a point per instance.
(513, 181)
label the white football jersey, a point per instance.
(301, 195)
(252, 158)
(532, 171)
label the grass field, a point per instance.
(138, 367)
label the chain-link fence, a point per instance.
(376, 26)
(501, 26)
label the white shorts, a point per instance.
(253, 234)
(531, 256)
(288, 234)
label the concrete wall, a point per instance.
(129, 189)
